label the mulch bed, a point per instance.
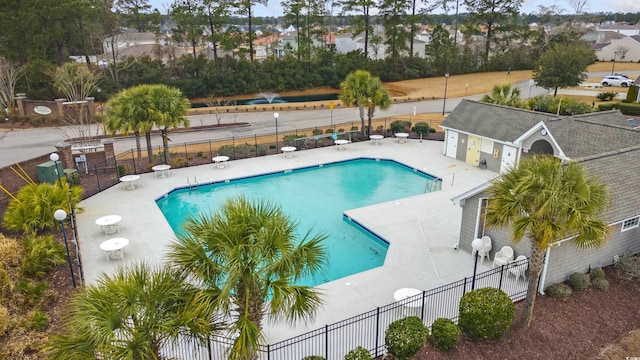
(580, 327)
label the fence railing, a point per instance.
(106, 174)
(368, 329)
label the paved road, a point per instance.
(20, 145)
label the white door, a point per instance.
(508, 158)
(452, 144)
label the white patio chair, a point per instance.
(485, 249)
(503, 256)
(517, 268)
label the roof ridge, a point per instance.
(607, 153)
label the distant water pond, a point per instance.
(275, 100)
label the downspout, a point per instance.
(446, 140)
(543, 276)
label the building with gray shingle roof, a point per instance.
(496, 137)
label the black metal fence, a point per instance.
(368, 329)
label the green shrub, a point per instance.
(32, 291)
(422, 128)
(575, 107)
(559, 291)
(328, 131)
(5, 321)
(40, 255)
(540, 103)
(33, 208)
(313, 357)
(358, 353)
(122, 170)
(317, 132)
(606, 95)
(632, 94)
(606, 107)
(596, 273)
(578, 281)
(405, 337)
(444, 334)
(400, 126)
(600, 284)
(629, 109)
(486, 313)
(37, 320)
(290, 140)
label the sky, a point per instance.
(530, 6)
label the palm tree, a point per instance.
(361, 89)
(139, 108)
(167, 108)
(126, 112)
(547, 201)
(133, 314)
(504, 95)
(250, 252)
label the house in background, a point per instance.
(497, 137)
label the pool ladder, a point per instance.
(192, 185)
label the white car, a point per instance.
(616, 80)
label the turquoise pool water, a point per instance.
(316, 197)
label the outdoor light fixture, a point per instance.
(276, 115)
(477, 245)
(61, 215)
(55, 157)
(446, 82)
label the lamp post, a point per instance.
(55, 157)
(163, 131)
(613, 66)
(446, 82)
(276, 115)
(60, 215)
(331, 106)
(477, 245)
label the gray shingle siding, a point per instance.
(567, 258)
(604, 143)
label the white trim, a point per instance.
(537, 127)
(635, 219)
(478, 214)
(459, 200)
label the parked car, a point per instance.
(616, 80)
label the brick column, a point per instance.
(109, 152)
(64, 151)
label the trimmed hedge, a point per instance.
(629, 109)
(444, 334)
(606, 107)
(486, 313)
(405, 337)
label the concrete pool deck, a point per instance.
(422, 230)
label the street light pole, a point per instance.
(477, 245)
(446, 82)
(163, 131)
(60, 215)
(55, 157)
(276, 115)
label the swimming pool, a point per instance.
(316, 197)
